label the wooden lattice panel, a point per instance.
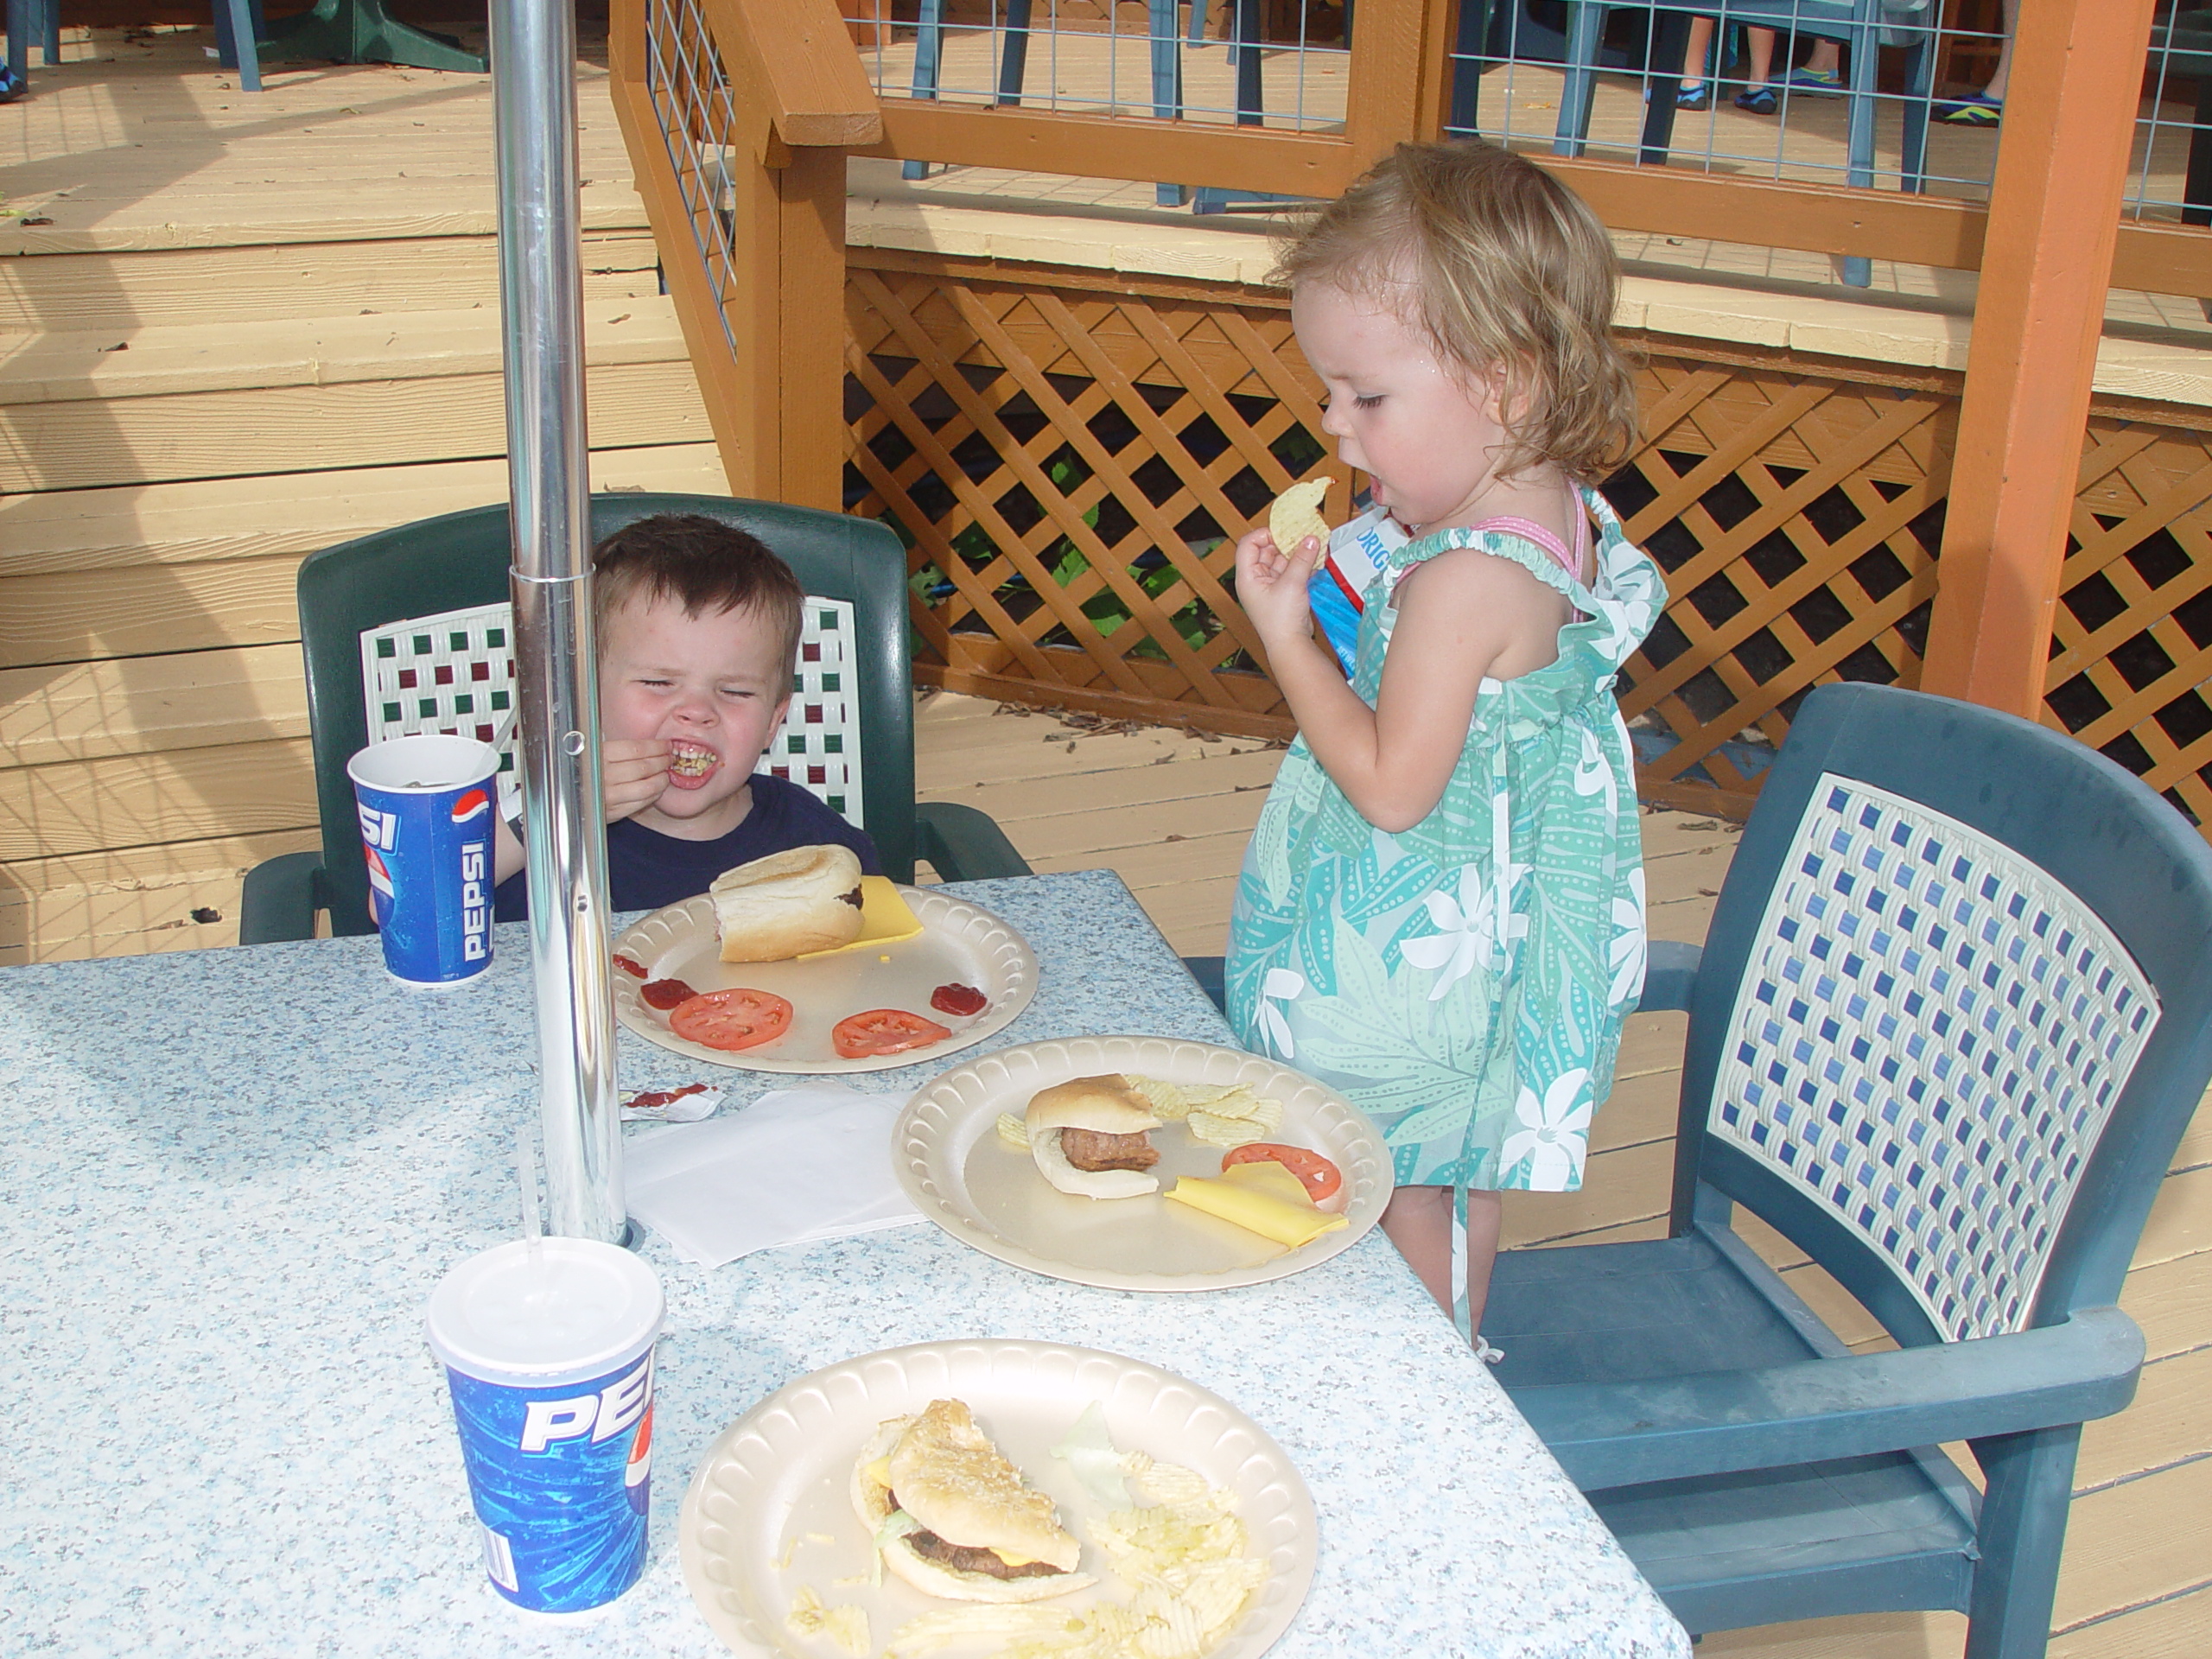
(2132, 642)
(1071, 467)
(1069, 462)
(1797, 517)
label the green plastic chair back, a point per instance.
(461, 559)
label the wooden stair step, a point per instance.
(132, 902)
(305, 427)
(102, 293)
(102, 366)
(212, 520)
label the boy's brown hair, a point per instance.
(706, 566)
(1510, 272)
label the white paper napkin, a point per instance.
(797, 1166)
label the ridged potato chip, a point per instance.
(1013, 1131)
(1297, 514)
(1224, 1132)
(1171, 1102)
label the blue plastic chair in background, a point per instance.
(1952, 1017)
(1014, 63)
(1862, 26)
(32, 22)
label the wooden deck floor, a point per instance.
(1171, 812)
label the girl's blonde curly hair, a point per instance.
(1514, 276)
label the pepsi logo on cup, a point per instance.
(427, 820)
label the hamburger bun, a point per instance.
(789, 903)
(944, 1472)
(1105, 1105)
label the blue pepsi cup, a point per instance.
(549, 1364)
(428, 805)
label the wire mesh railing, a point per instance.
(1286, 66)
(1891, 95)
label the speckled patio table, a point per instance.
(231, 1178)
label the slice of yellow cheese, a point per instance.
(880, 1472)
(1287, 1224)
(1271, 1178)
(885, 919)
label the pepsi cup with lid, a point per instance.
(427, 806)
(549, 1361)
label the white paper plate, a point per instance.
(774, 1483)
(962, 1176)
(959, 943)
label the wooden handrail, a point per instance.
(798, 66)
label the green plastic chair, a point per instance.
(461, 559)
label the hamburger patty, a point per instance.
(970, 1557)
(1090, 1149)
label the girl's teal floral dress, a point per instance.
(1464, 981)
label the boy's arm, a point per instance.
(632, 774)
(507, 855)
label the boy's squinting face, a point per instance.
(713, 687)
(1397, 414)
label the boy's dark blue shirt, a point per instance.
(646, 870)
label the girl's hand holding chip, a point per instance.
(1271, 584)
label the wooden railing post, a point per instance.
(2053, 212)
(1395, 54)
(767, 327)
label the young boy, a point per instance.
(698, 627)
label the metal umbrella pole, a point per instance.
(541, 301)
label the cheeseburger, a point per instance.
(954, 1518)
(788, 904)
(1090, 1137)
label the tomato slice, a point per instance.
(885, 1031)
(1321, 1176)
(732, 1019)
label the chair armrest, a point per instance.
(280, 899)
(1669, 976)
(964, 844)
(1621, 1434)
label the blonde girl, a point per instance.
(1441, 912)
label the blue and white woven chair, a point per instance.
(1952, 1018)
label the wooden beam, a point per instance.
(799, 56)
(810, 400)
(1816, 219)
(1115, 146)
(2164, 259)
(2062, 167)
(1389, 57)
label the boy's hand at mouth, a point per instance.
(633, 773)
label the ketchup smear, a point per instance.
(653, 1100)
(635, 970)
(665, 994)
(958, 999)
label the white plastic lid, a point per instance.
(583, 1310)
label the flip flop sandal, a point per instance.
(1975, 110)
